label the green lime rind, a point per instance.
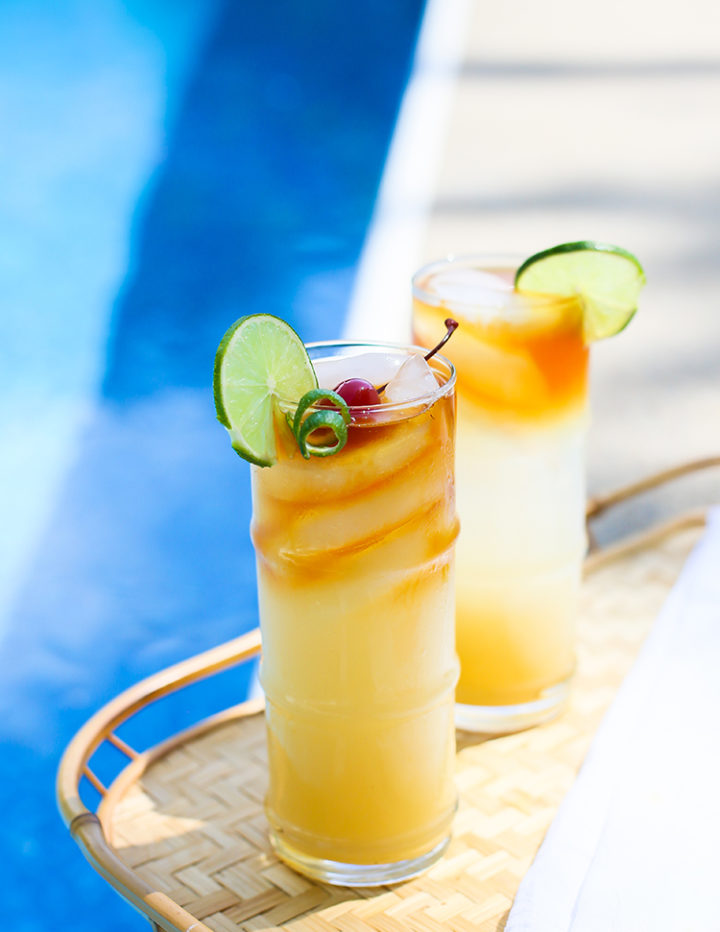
(332, 419)
(337, 421)
(260, 362)
(607, 279)
(312, 397)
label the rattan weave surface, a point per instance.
(193, 826)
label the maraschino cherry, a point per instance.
(358, 393)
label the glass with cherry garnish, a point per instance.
(355, 581)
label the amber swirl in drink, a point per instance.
(522, 415)
(355, 582)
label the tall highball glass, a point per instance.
(355, 581)
(522, 419)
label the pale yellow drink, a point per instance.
(522, 412)
(355, 581)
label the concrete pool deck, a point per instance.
(525, 126)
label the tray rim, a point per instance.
(91, 830)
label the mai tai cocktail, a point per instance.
(522, 362)
(354, 527)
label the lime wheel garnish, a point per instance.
(260, 364)
(606, 280)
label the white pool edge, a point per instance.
(380, 303)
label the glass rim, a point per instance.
(483, 262)
(412, 406)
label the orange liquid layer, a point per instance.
(355, 583)
(522, 392)
(529, 371)
(516, 640)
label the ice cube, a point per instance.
(414, 380)
(471, 287)
(376, 368)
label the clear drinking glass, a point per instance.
(522, 418)
(355, 582)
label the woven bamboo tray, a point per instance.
(181, 833)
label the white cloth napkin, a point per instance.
(635, 846)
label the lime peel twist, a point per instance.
(336, 421)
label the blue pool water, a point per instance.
(165, 166)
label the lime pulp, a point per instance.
(606, 279)
(260, 361)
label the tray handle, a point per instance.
(84, 825)
(598, 504)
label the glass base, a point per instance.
(356, 875)
(503, 719)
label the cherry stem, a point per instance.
(452, 326)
